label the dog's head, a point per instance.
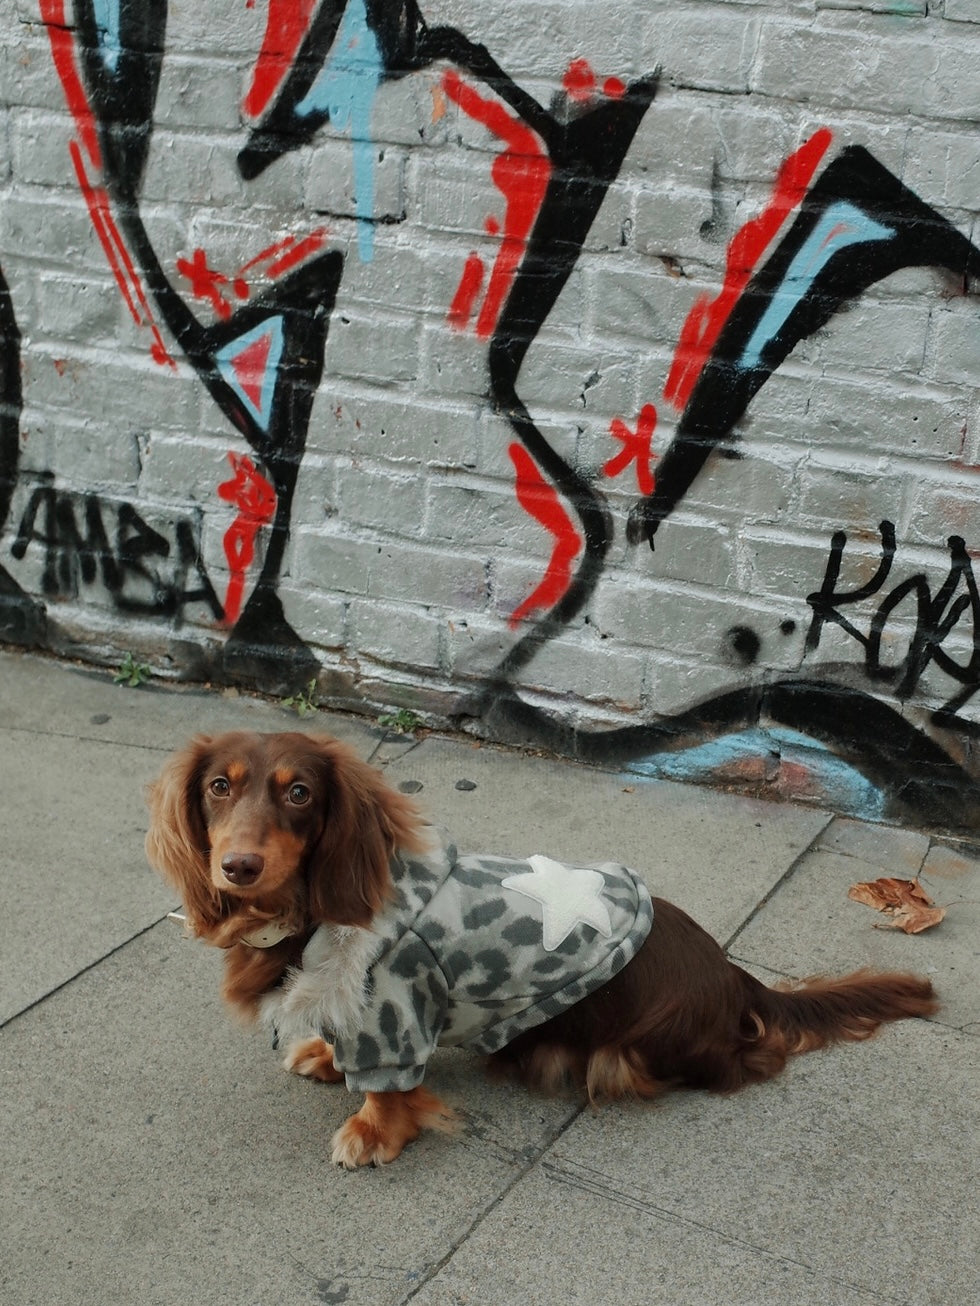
(288, 826)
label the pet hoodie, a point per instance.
(476, 949)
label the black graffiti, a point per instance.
(937, 615)
(21, 616)
(130, 560)
(901, 232)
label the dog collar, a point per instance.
(268, 935)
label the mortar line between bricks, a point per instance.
(492, 1206)
(84, 970)
(774, 889)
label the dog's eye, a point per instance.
(219, 787)
(298, 795)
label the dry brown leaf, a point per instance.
(905, 902)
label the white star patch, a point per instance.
(569, 896)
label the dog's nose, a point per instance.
(242, 868)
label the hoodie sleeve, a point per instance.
(401, 1024)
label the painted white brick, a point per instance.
(378, 499)
(330, 185)
(873, 334)
(395, 633)
(940, 506)
(708, 46)
(199, 92)
(310, 609)
(782, 564)
(962, 11)
(849, 494)
(954, 342)
(943, 166)
(79, 307)
(407, 429)
(583, 666)
(113, 390)
(688, 550)
(186, 468)
(388, 570)
(674, 685)
(913, 419)
(871, 64)
(366, 349)
(670, 218)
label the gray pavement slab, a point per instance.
(155, 1152)
(42, 695)
(852, 1179)
(73, 882)
(811, 926)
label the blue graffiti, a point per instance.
(345, 88)
(840, 225)
(841, 786)
(108, 24)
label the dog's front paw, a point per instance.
(312, 1058)
(385, 1123)
(358, 1142)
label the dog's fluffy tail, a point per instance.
(821, 1011)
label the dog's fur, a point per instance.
(291, 828)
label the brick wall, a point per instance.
(377, 343)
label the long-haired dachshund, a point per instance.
(363, 941)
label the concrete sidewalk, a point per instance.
(153, 1153)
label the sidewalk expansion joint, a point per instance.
(522, 1172)
(770, 893)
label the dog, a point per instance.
(361, 939)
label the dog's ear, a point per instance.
(177, 840)
(365, 821)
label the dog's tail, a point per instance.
(784, 1021)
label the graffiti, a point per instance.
(21, 618)
(835, 224)
(255, 500)
(856, 225)
(128, 565)
(636, 448)
(521, 173)
(936, 617)
(540, 501)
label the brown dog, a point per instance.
(342, 917)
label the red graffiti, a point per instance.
(286, 25)
(579, 80)
(61, 38)
(707, 316)
(285, 254)
(255, 499)
(118, 256)
(521, 173)
(206, 283)
(540, 500)
(464, 301)
(636, 448)
(295, 251)
(580, 83)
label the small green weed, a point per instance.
(131, 673)
(402, 722)
(302, 701)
